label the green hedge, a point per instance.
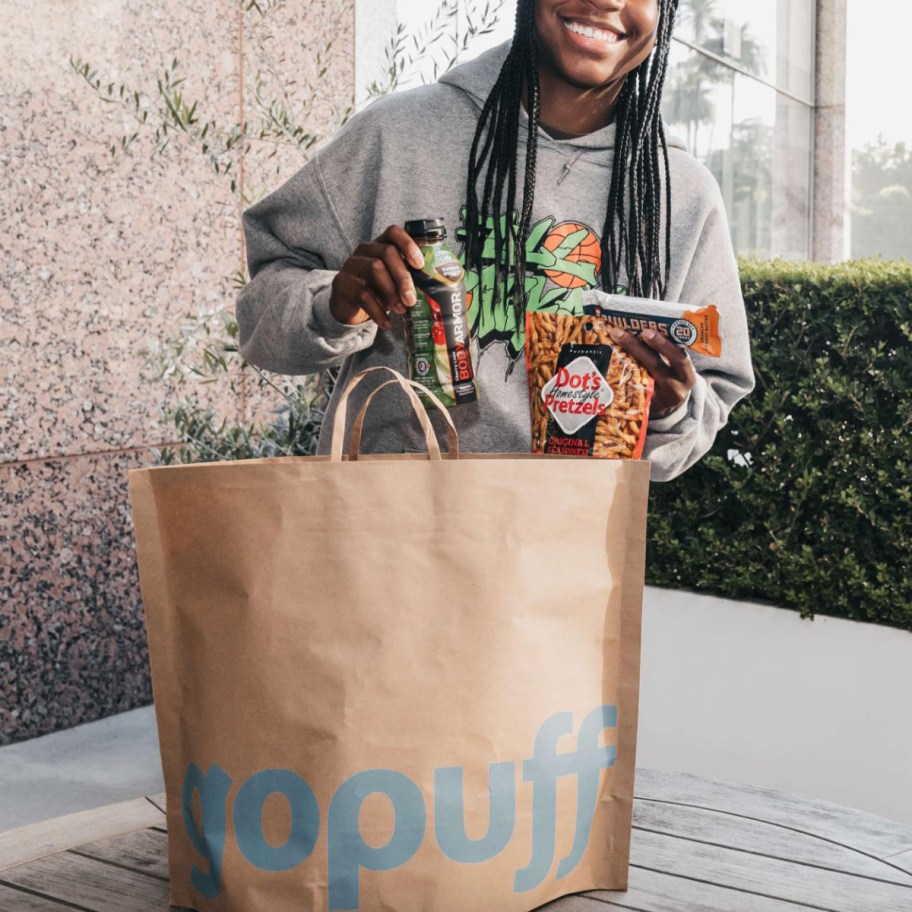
(806, 498)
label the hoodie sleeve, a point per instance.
(679, 440)
(295, 246)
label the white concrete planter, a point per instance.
(754, 694)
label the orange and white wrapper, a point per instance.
(693, 328)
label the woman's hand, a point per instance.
(668, 365)
(374, 281)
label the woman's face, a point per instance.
(593, 43)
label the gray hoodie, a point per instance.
(405, 157)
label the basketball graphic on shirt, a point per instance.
(573, 243)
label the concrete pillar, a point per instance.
(792, 166)
(829, 132)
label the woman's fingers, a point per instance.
(657, 353)
(370, 267)
(354, 302)
(408, 249)
(668, 365)
(399, 249)
(375, 281)
(675, 356)
(648, 356)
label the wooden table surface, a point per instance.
(698, 846)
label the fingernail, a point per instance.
(649, 334)
(410, 299)
(417, 259)
(617, 334)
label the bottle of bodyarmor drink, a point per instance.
(437, 327)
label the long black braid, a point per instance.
(640, 186)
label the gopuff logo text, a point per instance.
(348, 852)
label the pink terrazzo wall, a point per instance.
(101, 258)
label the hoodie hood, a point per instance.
(476, 77)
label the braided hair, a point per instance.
(640, 184)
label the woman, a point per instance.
(556, 134)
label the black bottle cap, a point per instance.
(432, 228)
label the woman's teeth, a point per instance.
(587, 31)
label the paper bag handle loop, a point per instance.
(354, 446)
(409, 387)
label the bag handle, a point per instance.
(409, 387)
(354, 446)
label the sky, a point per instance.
(877, 71)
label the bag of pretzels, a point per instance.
(588, 396)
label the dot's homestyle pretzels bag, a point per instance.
(588, 397)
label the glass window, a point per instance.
(739, 93)
(773, 40)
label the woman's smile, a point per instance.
(594, 44)
(591, 32)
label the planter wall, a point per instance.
(754, 694)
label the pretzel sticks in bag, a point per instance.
(588, 397)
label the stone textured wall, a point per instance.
(102, 257)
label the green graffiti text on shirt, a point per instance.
(562, 262)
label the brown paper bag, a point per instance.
(394, 683)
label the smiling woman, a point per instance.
(577, 85)
(591, 49)
(554, 135)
